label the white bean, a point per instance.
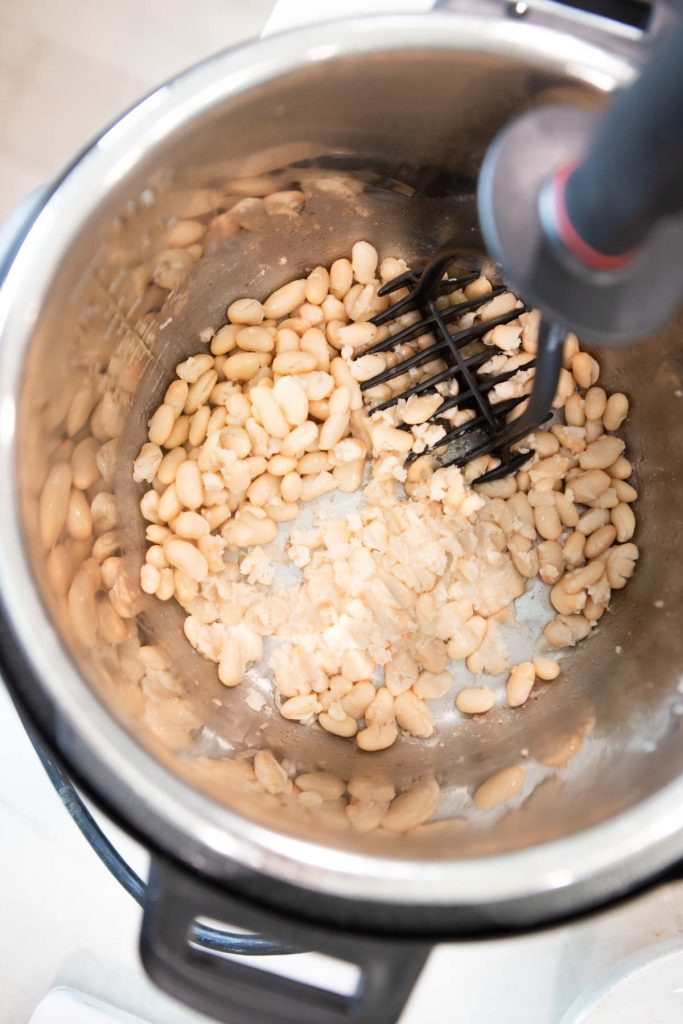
(573, 551)
(475, 700)
(357, 335)
(551, 561)
(624, 522)
(249, 531)
(269, 412)
(601, 453)
(315, 486)
(150, 578)
(386, 438)
(169, 465)
(270, 773)
(291, 486)
(621, 563)
(190, 526)
(314, 342)
(161, 424)
(54, 503)
(224, 340)
(599, 541)
(79, 517)
(498, 306)
(588, 486)
(499, 788)
(547, 521)
(595, 402)
(317, 285)
(616, 411)
(184, 233)
(169, 504)
(287, 341)
(319, 385)
(84, 471)
(546, 669)
(111, 626)
(301, 707)
(294, 363)
(400, 673)
(263, 490)
(189, 372)
(104, 513)
(198, 426)
(341, 277)
(349, 476)
(81, 406)
(413, 807)
(345, 727)
(520, 684)
(585, 369)
(364, 261)
(301, 438)
(545, 444)
(292, 399)
(335, 427)
(343, 377)
(185, 556)
(624, 491)
(176, 392)
(285, 299)
(575, 411)
(245, 311)
(199, 392)
(188, 485)
(147, 463)
(566, 509)
(280, 465)
(621, 469)
(166, 588)
(392, 268)
(594, 429)
(358, 699)
(59, 569)
(82, 608)
(378, 736)
(430, 686)
(179, 434)
(583, 578)
(241, 366)
(565, 603)
(329, 786)
(593, 520)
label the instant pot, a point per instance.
(381, 123)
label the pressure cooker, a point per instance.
(383, 123)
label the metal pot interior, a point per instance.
(386, 146)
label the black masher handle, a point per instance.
(632, 174)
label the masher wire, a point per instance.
(489, 418)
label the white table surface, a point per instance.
(65, 921)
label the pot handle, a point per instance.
(236, 993)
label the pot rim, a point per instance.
(169, 812)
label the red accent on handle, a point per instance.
(570, 237)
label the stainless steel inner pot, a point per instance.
(383, 124)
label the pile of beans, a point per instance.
(272, 416)
(274, 377)
(369, 800)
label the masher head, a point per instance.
(434, 320)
